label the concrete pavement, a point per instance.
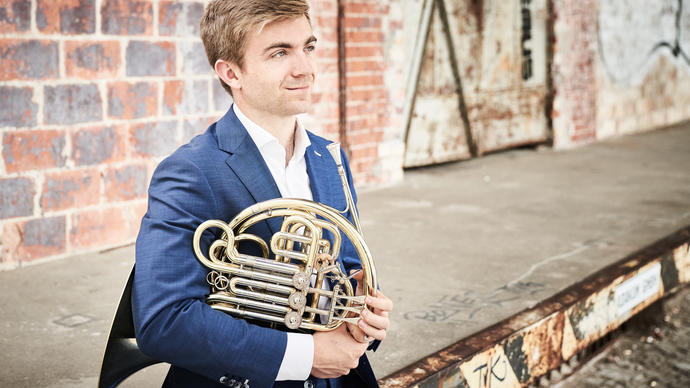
(458, 247)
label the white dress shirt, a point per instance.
(293, 182)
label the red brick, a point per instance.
(15, 16)
(99, 227)
(179, 19)
(136, 211)
(185, 97)
(153, 139)
(16, 197)
(324, 7)
(364, 138)
(88, 60)
(362, 22)
(364, 51)
(363, 153)
(127, 17)
(33, 239)
(31, 150)
(71, 189)
(132, 100)
(195, 126)
(150, 58)
(28, 59)
(126, 183)
(66, 16)
(366, 95)
(17, 108)
(327, 36)
(96, 145)
(72, 104)
(363, 8)
(362, 123)
(358, 36)
(194, 60)
(364, 108)
(354, 81)
(221, 98)
(326, 53)
(44, 237)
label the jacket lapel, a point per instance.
(322, 173)
(246, 162)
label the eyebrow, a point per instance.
(286, 45)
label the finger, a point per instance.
(371, 331)
(377, 321)
(381, 313)
(357, 274)
(379, 301)
(355, 331)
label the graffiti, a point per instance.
(483, 371)
(525, 39)
(462, 307)
(633, 32)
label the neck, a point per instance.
(282, 127)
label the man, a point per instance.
(262, 51)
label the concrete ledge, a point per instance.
(517, 351)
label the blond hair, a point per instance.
(226, 23)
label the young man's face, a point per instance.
(279, 69)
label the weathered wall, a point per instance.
(94, 93)
(620, 66)
(482, 78)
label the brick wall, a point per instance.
(372, 118)
(643, 72)
(619, 68)
(573, 72)
(94, 93)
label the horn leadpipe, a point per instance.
(334, 149)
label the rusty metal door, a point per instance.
(478, 79)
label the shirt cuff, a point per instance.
(298, 358)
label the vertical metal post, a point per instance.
(342, 80)
(471, 143)
(417, 58)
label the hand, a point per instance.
(335, 353)
(375, 322)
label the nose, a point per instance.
(304, 65)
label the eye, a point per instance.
(310, 48)
(279, 54)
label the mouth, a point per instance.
(305, 87)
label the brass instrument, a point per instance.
(279, 290)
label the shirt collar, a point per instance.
(262, 137)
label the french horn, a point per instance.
(298, 268)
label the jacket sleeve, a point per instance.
(171, 319)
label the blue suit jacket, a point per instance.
(215, 176)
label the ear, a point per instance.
(228, 72)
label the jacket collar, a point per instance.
(246, 162)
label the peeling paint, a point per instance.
(538, 340)
(517, 358)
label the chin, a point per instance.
(298, 107)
